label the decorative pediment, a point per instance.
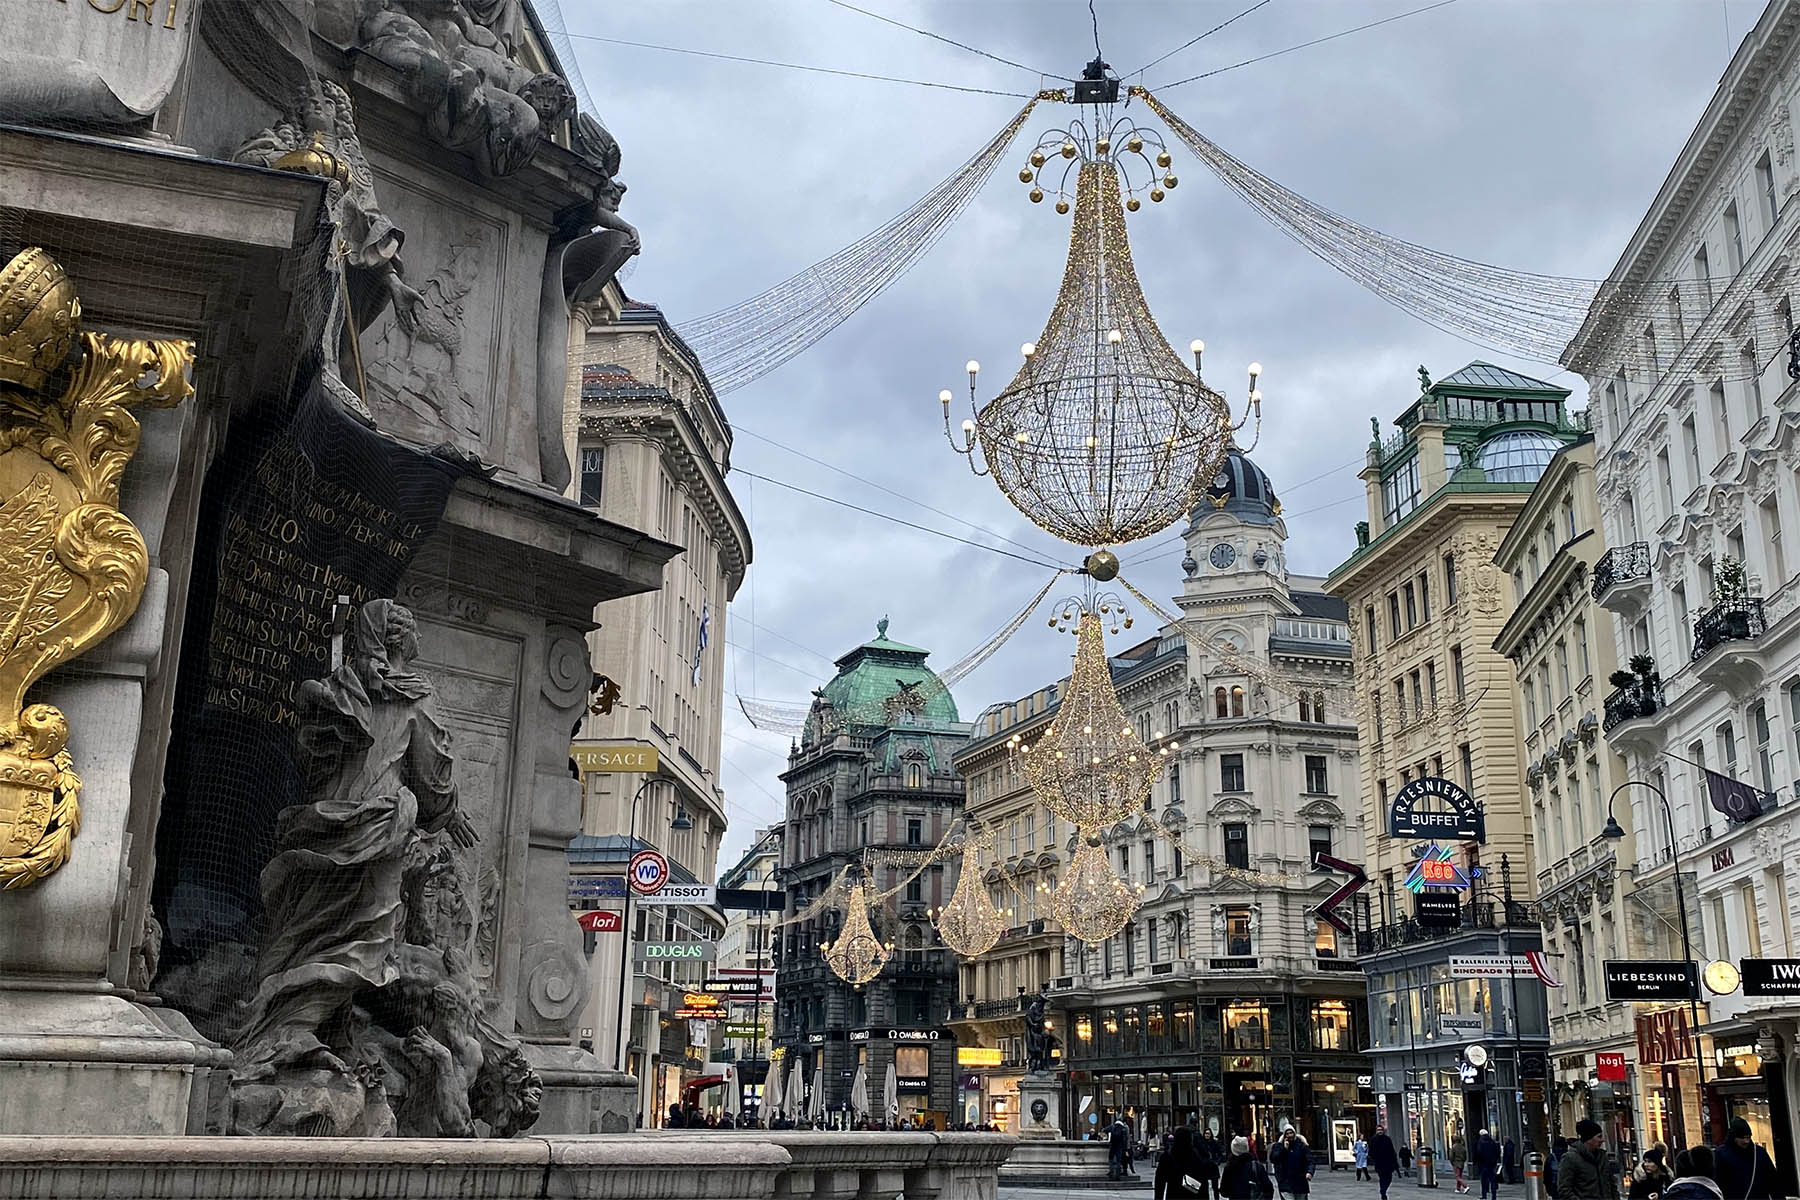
(1174, 818)
(1320, 812)
(1048, 859)
(1224, 884)
(1233, 806)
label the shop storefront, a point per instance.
(1668, 1084)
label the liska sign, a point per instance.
(1438, 809)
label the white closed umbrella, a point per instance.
(890, 1094)
(815, 1107)
(859, 1092)
(770, 1107)
(734, 1094)
(793, 1104)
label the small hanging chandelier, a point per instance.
(857, 956)
(970, 924)
(1092, 903)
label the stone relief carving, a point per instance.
(366, 1021)
(413, 363)
(456, 57)
(318, 137)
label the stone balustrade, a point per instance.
(717, 1165)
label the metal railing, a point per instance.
(1632, 701)
(1621, 564)
(1477, 914)
(1732, 621)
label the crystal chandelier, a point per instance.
(1090, 768)
(1104, 435)
(1092, 903)
(857, 955)
(970, 924)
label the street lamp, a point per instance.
(1614, 832)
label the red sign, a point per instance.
(1662, 1037)
(1436, 871)
(1609, 1066)
(603, 920)
(649, 871)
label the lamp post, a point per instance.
(681, 821)
(1614, 832)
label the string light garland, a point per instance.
(1092, 903)
(857, 956)
(748, 340)
(1103, 436)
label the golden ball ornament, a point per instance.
(1135, 144)
(1037, 195)
(1102, 565)
(1068, 149)
(1037, 158)
(1025, 174)
(1164, 159)
(1156, 195)
(1103, 146)
(1170, 181)
(1133, 204)
(1062, 208)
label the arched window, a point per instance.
(1305, 707)
(1219, 702)
(1319, 707)
(915, 774)
(1237, 701)
(915, 944)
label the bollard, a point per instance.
(1427, 1167)
(1534, 1176)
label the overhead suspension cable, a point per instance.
(1036, 562)
(938, 37)
(1191, 41)
(770, 62)
(748, 340)
(1330, 37)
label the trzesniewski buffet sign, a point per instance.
(1438, 809)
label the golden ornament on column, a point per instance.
(72, 566)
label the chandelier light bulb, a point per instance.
(1255, 369)
(1197, 346)
(974, 368)
(1114, 336)
(1028, 349)
(968, 425)
(1256, 395)
(944, 397)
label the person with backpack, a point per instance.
(1384, 1158)
(1178, 1171)
(1244, 1178)
(1291, 1161)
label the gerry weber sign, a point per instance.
(1436, 808)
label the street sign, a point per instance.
(1770, 976)
(740, 985)
(1530, 965)
(1455, 815)
(675, 951)
(679, 893)
(1609, 1066)
(623, 757)
(649, 871)
(1438, 910)
(1327, 911)
(603, 920)
(596, 887)
(1654, 979)
(747, 1031)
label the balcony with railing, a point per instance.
(1632, 701)
(1476, 915)
(1738, 620)
(1622, 574)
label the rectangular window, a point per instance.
(1752, 373)
(1651, 358)
(1769, 517)
(1412, 606)
(1424, 598)
(1237, 845)
(1675, 318)
(1450, 579)
(1125, 862)
(1456, 671)
(1690, 444)
(1793, 698)
(1678, 597)
(1369, 615)
(1703, 274)
(1728, 749)
(1765, 759)
(1149, 859)
(1781, 929)
(1174, 783)
(1324, 941)
(1431, 682)
(1697, 755)
(1468, 767)
(1151, 947)
(1721, 410)
(1316, 782)
(1030, 830)
(1246, 1021)
(1231, 772)
(1131, 965)
(1665, 483)
(915, 889)
(1562, 665)
(1318, 841)
(1394, 629)
(1734, 237)
(1752, 927)
(593, 464)
(915, 831)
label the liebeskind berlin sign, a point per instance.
(1651, 980)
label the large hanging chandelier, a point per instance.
(1092, 903)
(970, 924)
(1104, 435)
(1090, 767)
(857, 956)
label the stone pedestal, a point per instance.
(1040, 1108)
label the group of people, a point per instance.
(1487, 1157)
(1194, 1164)
(1740, 1169)
(690, 1117)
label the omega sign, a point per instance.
(1436, 808)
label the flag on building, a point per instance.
(1737, 800)
(700, 642)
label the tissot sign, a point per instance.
(1436, 808)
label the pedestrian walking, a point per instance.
(1118, 1148)
(1694, 1168)
(1651, 1177)
(1487, 1162)
(1291, 1161)
(1742, 1168)
(1243, 1177)
(1211, 1154)
(1509, 1160)
(1585, 1172)
(1178, 1174)
(1360, 1152)
(1459, 1158)
(1406, 1160)
(1384, 1158)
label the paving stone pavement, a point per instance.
(1326, 1185)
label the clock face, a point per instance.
(1721, 977)
(1222, 481)
(1223, 555)
(1477, 1056)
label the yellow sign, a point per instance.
(618, 756)
(978, 1056)
(700, 1000)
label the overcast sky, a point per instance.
(1531, 134)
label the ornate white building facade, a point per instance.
(1698, 435)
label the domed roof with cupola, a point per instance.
(1241, 489)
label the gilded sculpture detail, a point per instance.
(72, 566)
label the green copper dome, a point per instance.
(882, 683)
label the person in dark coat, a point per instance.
(1509, 1160)
(1118, 1148)
(1585, 1173)
(1291, 1160)
(1693, 1176)
(1741, 1167)
(1243, 1177)
(1176, 1165)
(676, 1120)
(1383, 1158)
(1210, 1153)
(1486, 1157)
(1651, 1176)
